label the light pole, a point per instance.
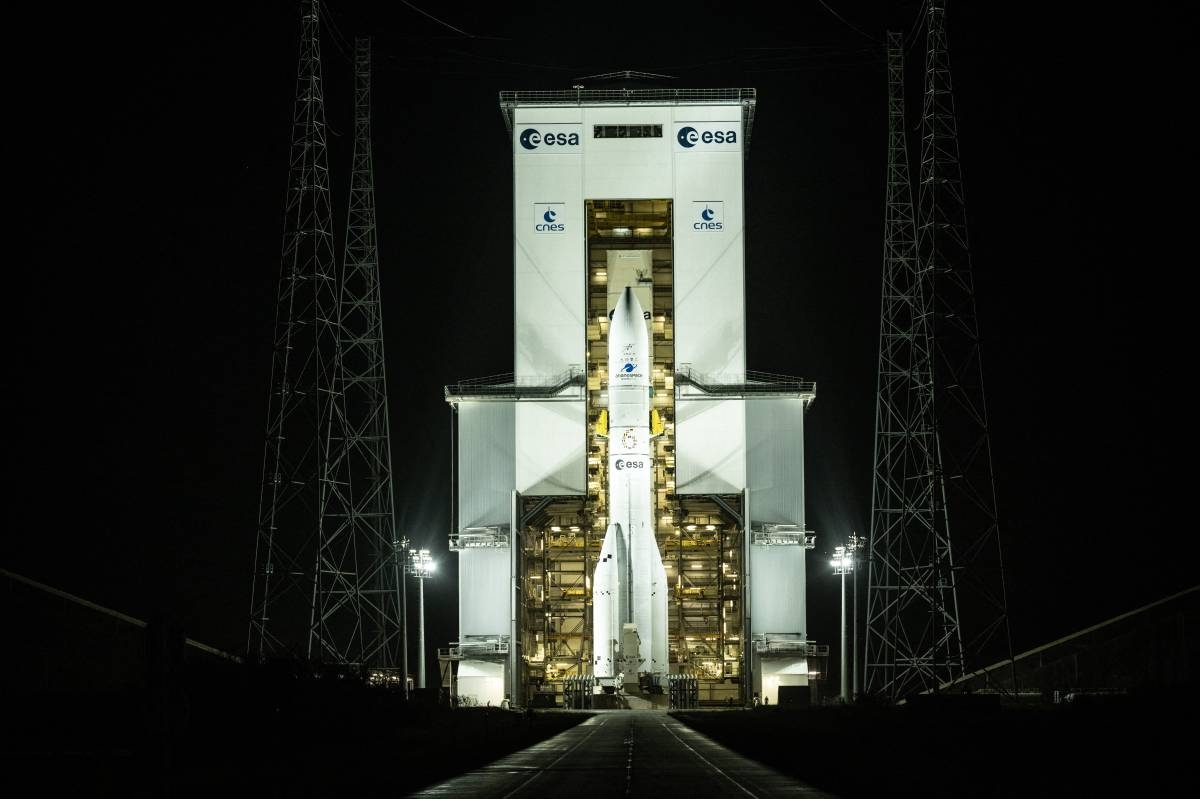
(854, 544)
(400, 553)
(421, 565)
(842, 563)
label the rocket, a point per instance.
(629, 595)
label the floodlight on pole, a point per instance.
(421, 566)
(842, 564)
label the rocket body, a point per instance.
(630, 584)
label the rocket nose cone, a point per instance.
(628, 305)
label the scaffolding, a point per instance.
(700, 538)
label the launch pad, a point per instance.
(634, 193)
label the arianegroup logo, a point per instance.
(707, 136)
(547, 139)
(708, 215)
(548, 218)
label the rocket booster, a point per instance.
(630, 585)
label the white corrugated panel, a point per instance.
(710, 327)
(777, 586)
(484, 592)
(710, 446)
(628, 169)
(551, 448)
(775, 673)
(549, 251)
(485, 463)
(775, 459)
(549, 309)
(482, 680)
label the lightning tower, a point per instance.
(282, 599)
(909, 538)
(933, 610)
(976, 571)
(358, 610)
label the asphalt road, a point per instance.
(624, 753)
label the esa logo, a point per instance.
(688, 137)
(621, 463)
(645, 315)
(709, 215)
(546, 218)
(532, 138)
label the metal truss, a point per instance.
(358, 601)
(302, 363)
(968, 477)
(932, 453)
(912, 616)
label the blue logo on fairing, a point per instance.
(627, 368)
(549, 215)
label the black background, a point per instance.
(150, 150)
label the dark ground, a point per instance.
(251, 732)
(241, 731)
(1122, 746)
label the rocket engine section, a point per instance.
(630, 583)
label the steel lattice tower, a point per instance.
(977, 571)
(358, 615)
(917, 638)
(302, 363)
(912, 628)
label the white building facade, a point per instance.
(639, 187)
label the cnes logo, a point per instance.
(545, 218)
(709, 215)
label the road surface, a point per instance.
(625, 753)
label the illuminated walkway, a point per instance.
(625, 754)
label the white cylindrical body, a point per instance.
(607, 615)
(630, 483)
(659, 650)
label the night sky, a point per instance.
(151, 159)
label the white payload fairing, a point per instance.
(629, 596)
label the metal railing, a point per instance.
(507, 386)
(479, 537)
(627, 95)
(475, 649)
(755, 384)
(775, 646)
(783, 535)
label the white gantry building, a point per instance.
(639, 189)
